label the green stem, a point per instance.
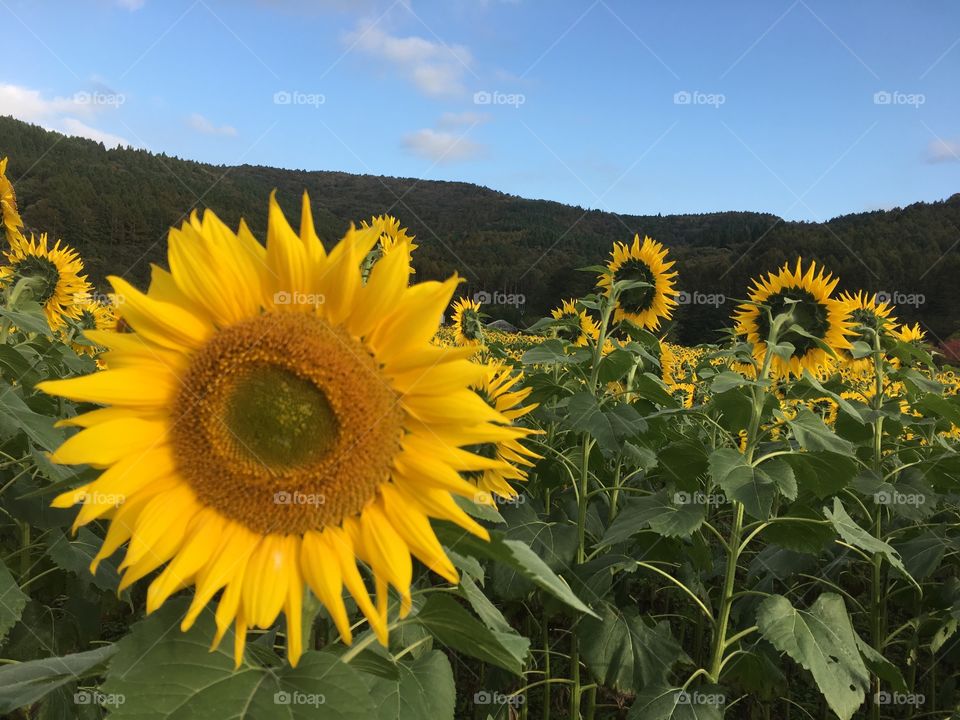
(877, 601)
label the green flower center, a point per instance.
(637, 299)
(42, 272)
(807, 313)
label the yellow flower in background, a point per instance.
(52, 275)
(581, 329)
(807, 295)
(270, 421)
(910, 334)
(93, 315)
(499, 387)
(391, 237)
(645, 262)
(467, 323)
(867, 316)
(8, 206)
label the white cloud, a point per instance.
(434, 68)
(452, 120)
(60, 113)
(943, 151)
(199, 123)
(441, 147)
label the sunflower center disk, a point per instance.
(636, 299)
(808, 314)
(286, 424)
(44, 275)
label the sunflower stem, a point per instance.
(877, 589)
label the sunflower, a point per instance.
(868, 317)
(578, 327)
(392, 236)
(94, 315)
(499, 387)
(467, 325)
(272, 421)
(909, 334)
(8, 205)
(52, 275)
(806, 295)
(644, 306)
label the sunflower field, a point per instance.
(276, 485)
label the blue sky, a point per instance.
(804, 108)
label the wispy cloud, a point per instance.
(434, 68)
(202, 125)
(453, 120)
(943, 151)
(61, 113)
(441, 147)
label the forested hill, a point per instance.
(115, 207)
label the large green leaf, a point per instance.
(626, 653)
(76, 555)
(814, 435)
(743, 483)
(12, 601)
(450, 623)
(823, 641)
(25, 683)
(673, 703)
(665, 515)
(422, 690)
(860, 538)
(822, 473)
(163, 674)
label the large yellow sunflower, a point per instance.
(271, 421)
(579, 328)
(467, 323)
(867, 317)
(8, 205)
(53, 274)
(644, 306)
(499, 388)
(807, 296)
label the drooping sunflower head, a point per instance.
(816, 319)
(578, 328)
(391, 237)
(8, 205)
(642, 262)
(270, 421)
(51, 275)
(467, 322)
(502, 388)
(867, 318)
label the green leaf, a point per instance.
(12, 601)
(921, 555)
(728, 380)
(450, 623)
(482, 606)
(814, 435)
(23, 684)
(624, 652)
(423, 690)
(940, 407)
(780, 473)
(673, 703)
(513, 554)
(741, 482)
(39, 428)
(822, 473)
(615, 365)
(609, 425)
(161, 673)
(549, 352)
(671, 519)
(881, 667)
(76, 555)
(823, 641)
(860, 538)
